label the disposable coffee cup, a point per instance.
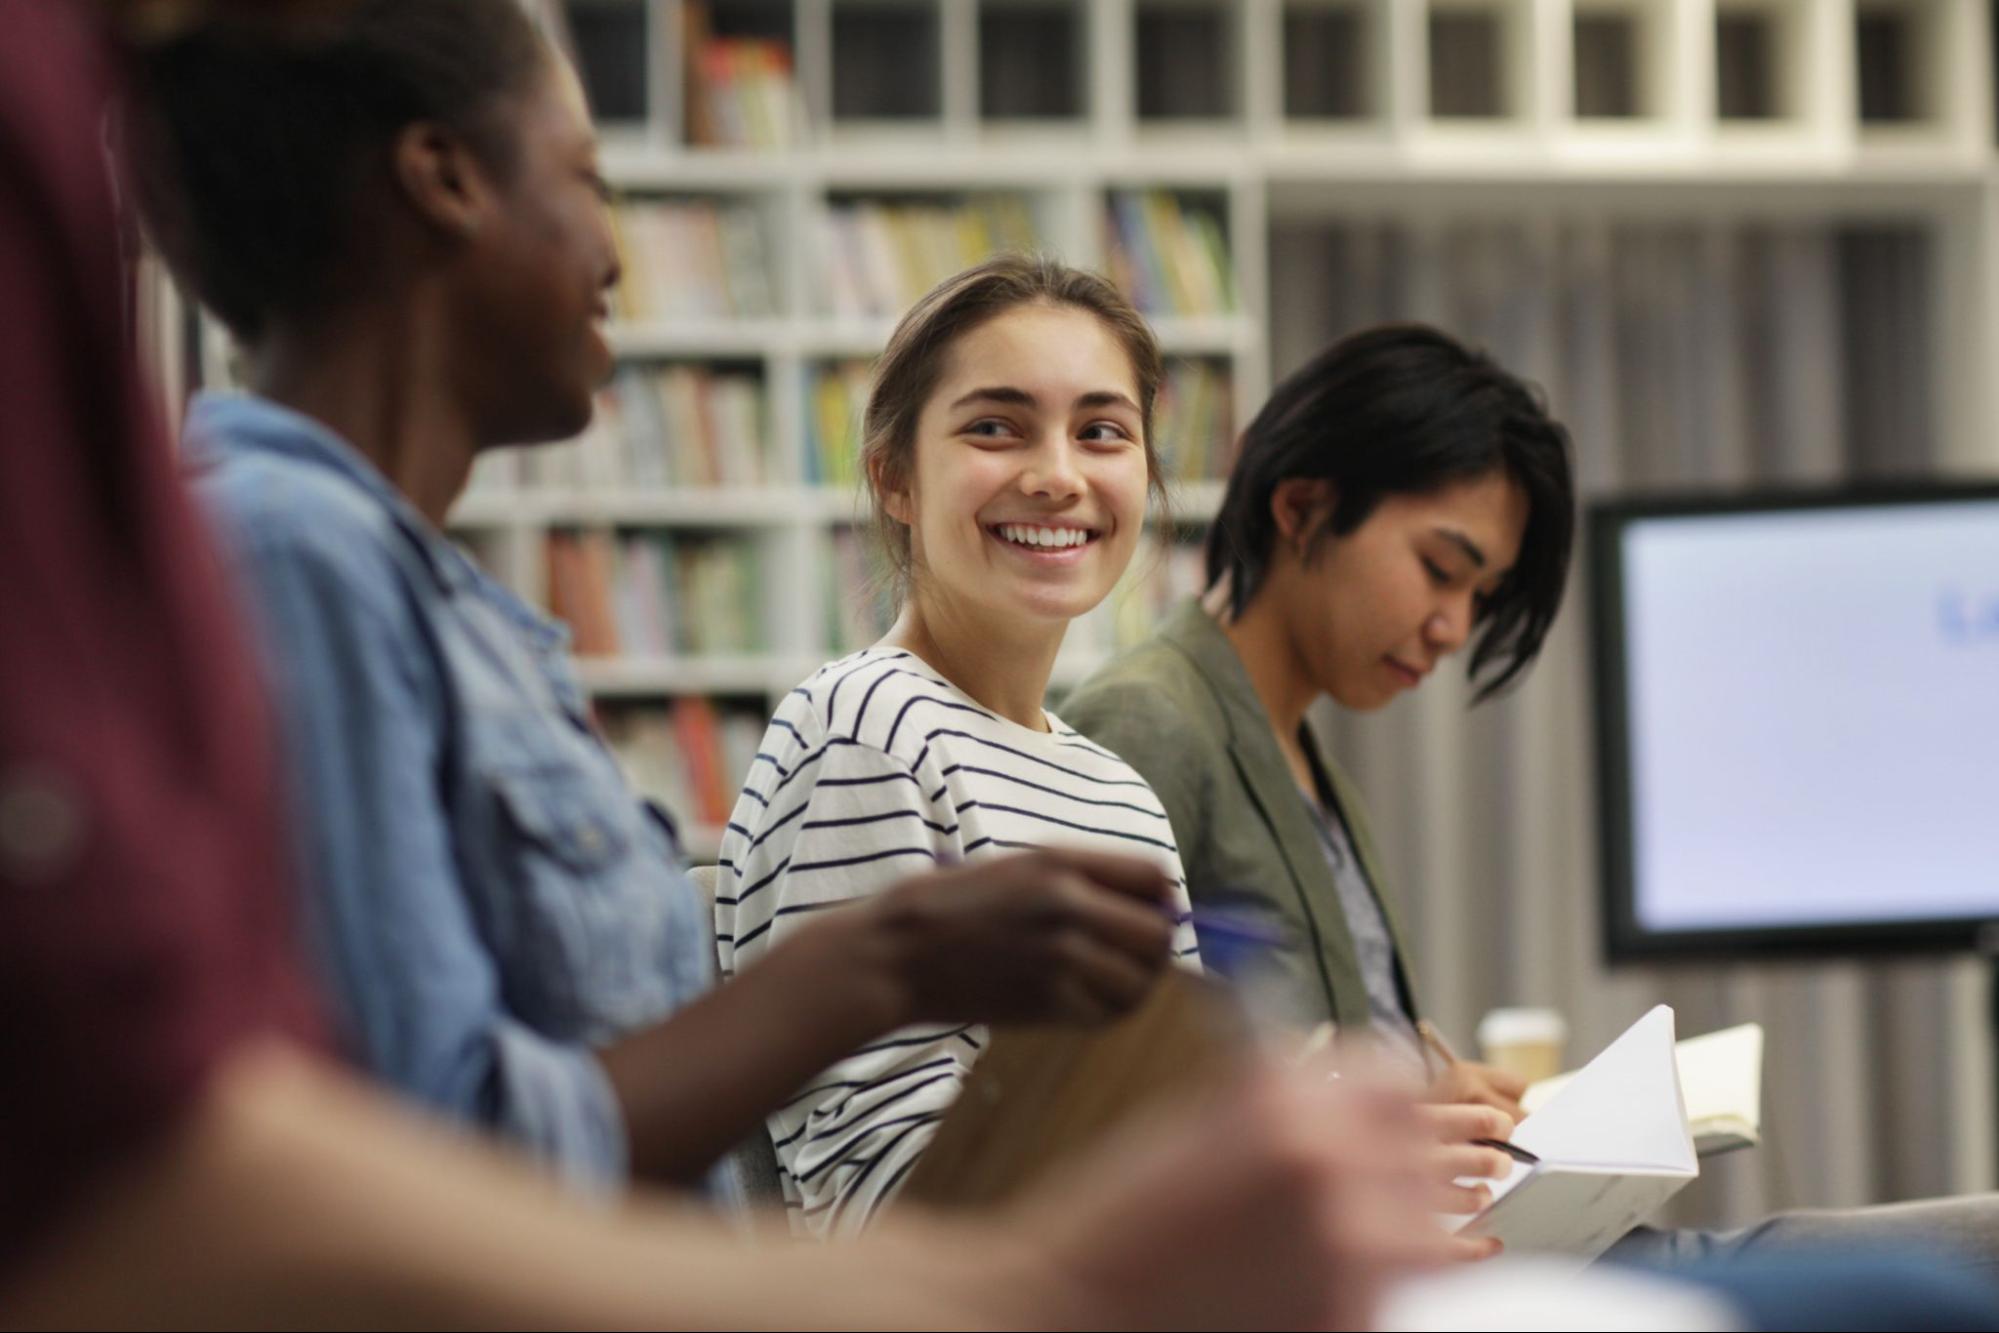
(1524, 1042)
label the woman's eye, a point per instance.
(1436, 572)
(991, 428)
(1105, 432)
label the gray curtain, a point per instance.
(1680, 353)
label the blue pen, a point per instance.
(1231, 941)
(1234, 927)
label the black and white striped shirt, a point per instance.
(876, 768)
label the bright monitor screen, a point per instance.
(1798, 718)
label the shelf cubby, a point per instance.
(886, 64)
(1471, 51)
(1033, 63)
(1187, 63)
(1332, 66)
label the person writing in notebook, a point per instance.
(1400, 499)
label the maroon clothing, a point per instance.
(143, 920)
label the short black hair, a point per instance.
(254, 145)
(1406, 409)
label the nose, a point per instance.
(1051, 470)
(1449, 626)
(614, 270)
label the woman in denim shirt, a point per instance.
(403, 222)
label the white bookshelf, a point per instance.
(1509, 107)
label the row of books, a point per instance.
(739, 90)
(1193, 420)
(664, 426)
(689, 755)
(833, 423)
(1169, 256)
(880, 256)
(692, 259)
(657, 594)
(709, 259)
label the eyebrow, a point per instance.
(1006, 393)
(1463, 543)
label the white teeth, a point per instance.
(1047, 537)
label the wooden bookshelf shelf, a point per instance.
(1253, 117)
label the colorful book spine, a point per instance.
(738, 89)
(1169, 255)
(691, 755)
(833, 424)
(881, 256)
(657, 594)
(664, 426)
(1193, 419)
(691, 259)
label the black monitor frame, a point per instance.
(1625, 939)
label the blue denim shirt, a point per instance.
(488, 898)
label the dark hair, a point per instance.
(1405, 409)
(255, 145)
(913, 361)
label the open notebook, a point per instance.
(1600, 1155)
(1721, 1076)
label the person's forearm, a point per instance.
(293, 1197)
(696, 1085)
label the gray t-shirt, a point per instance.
(1374, 947)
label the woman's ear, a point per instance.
(441, 179)
(891, 490)
(1298, 505)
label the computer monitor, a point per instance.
(1798, 721)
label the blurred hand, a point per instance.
(1469, 1083)
(1069, 935)
(1454, 1153)
(1284, 1200)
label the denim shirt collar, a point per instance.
(225, 426)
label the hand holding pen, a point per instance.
(1467, 1082)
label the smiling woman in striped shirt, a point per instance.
(1007, 444)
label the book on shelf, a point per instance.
(689, 754)
(661, 426)
(1194, 421)
(579, 590)
(880, 256)
(739, 90)
(1171, 257)
(833, 423)
(691, 259)
(656, 594)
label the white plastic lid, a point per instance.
(1522, 1027)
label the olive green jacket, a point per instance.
(1180, 709)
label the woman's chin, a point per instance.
(1046, 608)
